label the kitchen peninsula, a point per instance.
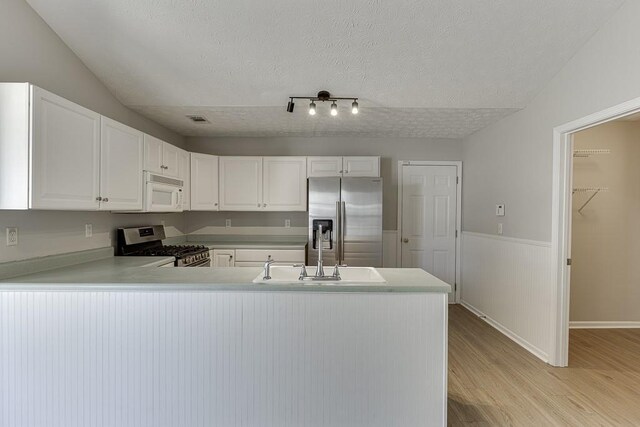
(118, 341)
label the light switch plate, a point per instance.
(287, 223)
(500, 229)
(227, 223)
(500, 210)
(88, 230)
(12, 236)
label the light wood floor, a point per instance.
(494, 382)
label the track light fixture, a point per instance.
(290, 105)
(323, 96)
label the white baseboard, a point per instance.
(507, 332)
(604, 325)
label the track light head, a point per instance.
(312, 108)
(334, 109)
(354, 107)
(290, 106)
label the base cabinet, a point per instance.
(223, 257)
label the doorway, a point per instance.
(429, 219)
(562, 211)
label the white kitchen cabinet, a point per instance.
(204, 182)
(361, 166)
(351, 166)
(185, 176)
(161, 157)
(171, 160)
(240, 183)
(324, 166)
(283, 256)
(121, 158)
(284, 183)
(223, 257)
(66, 153)
(153, 154)
(49, 151)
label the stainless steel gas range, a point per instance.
(147, 241)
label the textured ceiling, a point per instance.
(371, 121)
(450, 66)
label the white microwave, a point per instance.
(162, 194)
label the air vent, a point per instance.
(198, 119)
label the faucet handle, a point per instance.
(336, 271)
(303, 271)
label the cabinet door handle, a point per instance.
(106, 199)
(230, 257)
(264, 205)
(215, 204)
(405, 240)
(99, 199)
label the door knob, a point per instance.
(405, 240)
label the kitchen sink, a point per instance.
(348, 275)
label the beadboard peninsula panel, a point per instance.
(509, 282)
(222, 358)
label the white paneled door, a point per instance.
(429, 220)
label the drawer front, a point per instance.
(261, 255)
(248, 264)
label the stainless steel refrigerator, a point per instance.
(350, 213)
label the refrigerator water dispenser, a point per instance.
(327, 231)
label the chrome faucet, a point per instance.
(320, 268)
(267, 268)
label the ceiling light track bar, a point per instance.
(324, 96)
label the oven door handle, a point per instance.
(202, 263)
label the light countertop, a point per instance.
(253, 245)
(143, 273)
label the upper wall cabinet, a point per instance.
(204, 182)
(162, 158)
(121, 156)
(363, 166)
(284, 183)
(65, 154)
(263, 183)
(240, 183)
(185, 169)
(324, 166)
(79, 160)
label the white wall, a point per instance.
(32, 52)
(391, 150)
(43, 233)
(605, 248)
(511, 161)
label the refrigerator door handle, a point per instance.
(343, 219)
(338, 227)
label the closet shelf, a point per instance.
(594, 190)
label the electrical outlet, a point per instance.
(500, 228)
(227, 223)
(88, 230)
(287, 223)
(12, 236)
